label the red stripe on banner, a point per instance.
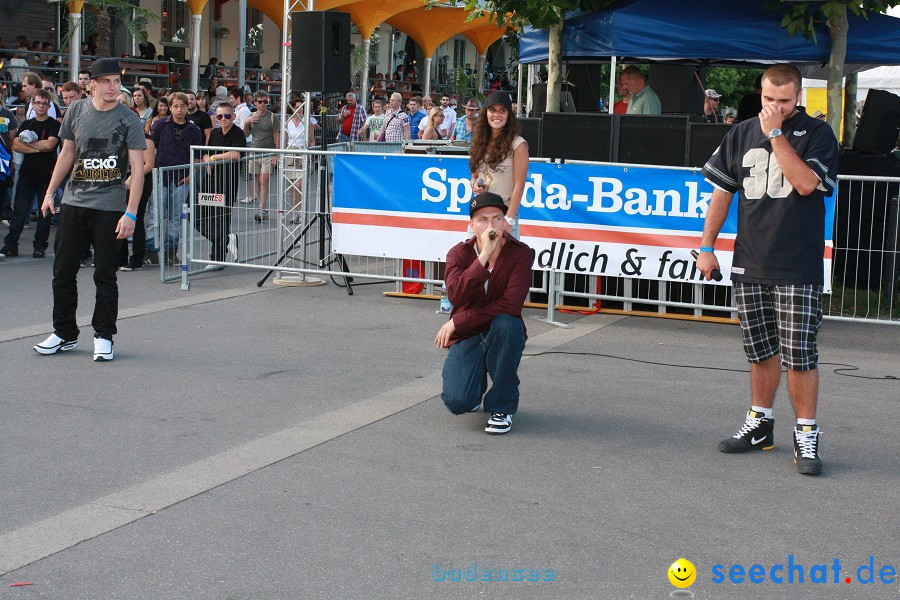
(402, 222)
(620, 237)
(543, 231)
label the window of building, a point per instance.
(459, 52)
(176, 23)
(254, 30)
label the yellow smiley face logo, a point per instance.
(682, 573)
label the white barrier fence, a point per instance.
(286, 231)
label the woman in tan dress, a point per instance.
(498, 156)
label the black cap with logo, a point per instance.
(485, 199)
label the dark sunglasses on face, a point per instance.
(262, 101)
(223, 117)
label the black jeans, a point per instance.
(139, 237)
(26, 190)
(78, 228)
(214, 222)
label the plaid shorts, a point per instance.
(780, 318)
(258, 166)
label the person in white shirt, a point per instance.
(449, 117)
(300, 139)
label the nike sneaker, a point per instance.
(806, 449)
(499, 423)
(755, 434)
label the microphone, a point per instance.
(480, 182)
(715, 273)
(493, 236)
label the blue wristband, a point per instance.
(134, 218)
(707, 249)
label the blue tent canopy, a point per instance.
(708, 30)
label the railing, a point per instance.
(295, 241)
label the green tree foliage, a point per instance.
(802, 17)
(732, 83)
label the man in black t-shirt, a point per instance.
(223, 175)
(751, 103)
(197, 116)
(782, 164)
(37, 140)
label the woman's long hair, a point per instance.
(162, 100)
(481, 151)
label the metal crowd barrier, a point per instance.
(294, 243)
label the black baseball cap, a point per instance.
(105, 66)
(501, 98)
(485, 199)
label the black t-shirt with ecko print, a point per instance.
(780, 234)
(102, 141)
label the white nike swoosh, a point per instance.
(755, 441)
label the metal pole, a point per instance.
(889, 272)
(195, 51)
(479, 75)
(364, 76)
(529, 102)
(75, 47)
(242, 42)
(427, 71)
(519, 111)
(612, 83)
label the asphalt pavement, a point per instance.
(288, 443)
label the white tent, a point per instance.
(879, 78)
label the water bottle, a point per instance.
(446, 307)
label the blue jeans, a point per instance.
(496, 353)
(173, 196)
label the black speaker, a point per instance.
(704, 138)
(530, 129)
(578, 136)
(677, 87)
(538, 99)
(320, 51)
(653, 140)
(879, 124)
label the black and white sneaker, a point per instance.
(806, 449)
(499, 423)
(102, 349)
(54, 344)
(757, 433)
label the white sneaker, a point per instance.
(232, 246)
(54, 344)
(102, 349)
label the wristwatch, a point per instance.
(512, 220)
(774, 133)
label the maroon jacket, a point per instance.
(473, 308)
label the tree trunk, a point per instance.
(837, 28)
(554, 70)
(850, 89)
(103, 29)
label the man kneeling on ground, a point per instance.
(487, 279)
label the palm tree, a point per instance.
(100, 18)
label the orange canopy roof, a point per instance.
(429, 28)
